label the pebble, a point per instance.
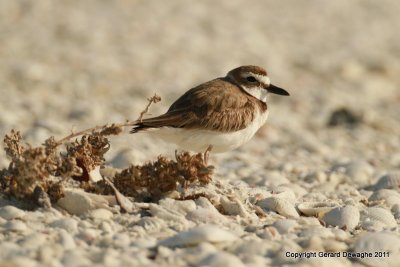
(23, 262)
(106, 227)
(293, 154)
(384, 242)
(316, 208)
(66, 240)
(146, 243)
(88, 235)
(377, 219)
(358, 171)
(222, 259)
(101, 214)
(78, 202)
(11, 212)
(196, 235)
(234, 206)
(285, 226)
(15, 226)
(121, 240)
(389, 196)
(388, 181)
(68, 224)
(204, 215)
(346, 217)
(75, 257)
(279, 205)
(34, 240)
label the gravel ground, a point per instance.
(307, 182)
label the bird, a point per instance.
(219, 115)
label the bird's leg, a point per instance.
(206, 154)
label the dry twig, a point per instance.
(113, 129)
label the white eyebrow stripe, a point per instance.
(261, 78)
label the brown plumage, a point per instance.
(218, 105)
(221, 114)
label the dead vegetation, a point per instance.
(45, 169)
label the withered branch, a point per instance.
(112, 129)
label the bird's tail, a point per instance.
(138, 127)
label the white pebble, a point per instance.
(388, 196)
(23, 262)
(88, 235)
(101, 214)
(68, 224)
(234, 206)
(204, 215)
(106, 227)
(78, 202)
(377, 219)
(148, 242)
(182, 207)
(285, 226)
(206, 233)
(346, 217)
(11, 212)
(75, 257)
(66, 240)
(15, 226)
(388, 181)
(279, 205)
(121, 240)
(384, 242)
(222, 259)
(316, 208)
(317, 231)
(34, 241)
(360, 172)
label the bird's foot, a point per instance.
(207, 154)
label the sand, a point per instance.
(70, 65)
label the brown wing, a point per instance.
(215, 105)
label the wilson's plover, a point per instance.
(221, 114)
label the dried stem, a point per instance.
(154, 99)
(103, 128)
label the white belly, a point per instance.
(198, 140)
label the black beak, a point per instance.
(276, 90)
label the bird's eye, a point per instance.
(251, 79)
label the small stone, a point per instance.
(285, 226)
(359, 172)
(346, 217)
(11, 212)
(121, 240)
(33, 241)
(344, 117)
(78, 202)
(23, 262)
(197, 235)
(145, 242)
(222, 259)
(75, 257)
(66, 240)
(101, 214)
(377, 219)
(68, 224)
(385, 242)
(89, 235)
(15, 226)
(106, 227)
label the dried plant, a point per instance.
(39, 172)
(164, 175)
(87, 153)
